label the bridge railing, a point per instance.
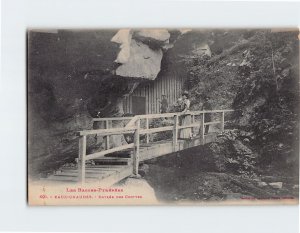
(108, 121)
(134, 127)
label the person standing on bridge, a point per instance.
(207, 116)
(164, 104)
(186, 118)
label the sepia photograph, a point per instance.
(179, 116)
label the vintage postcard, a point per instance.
(163, 116)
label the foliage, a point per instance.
(231, 152)
(257, 75)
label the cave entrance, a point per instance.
(138, 105)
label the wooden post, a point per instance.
(147, 127)
(81, 162)
(202, 128)
(136, 152)
(107, 137)
(193, 121)
(175, 133)
(222, 121)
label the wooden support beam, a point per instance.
(112, 119)
(175, 133)
(212, 123)
(81, 158)
(202, 128)
(136, 152)
(107, 137)
(193, 122)
(109, 151)
(156, 130)
(104, 132)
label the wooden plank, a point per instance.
(212, 122)
(105, 132)
(157, 151)
(131, 123)
(160, 115)
(107, 137)
(136, 148)
(96, 170)
(75, 172)
(75, 175)
(88, 175)
(105, 152)
(202, 128)
(188, 126)
(165, 115)
(193, 122)
(112, 119)
(115, 159)
(103, 166)
(93, 167)
(62, 178)
(175, 133)
(120, 175)
(87, 171)
(157, 143)
(156, 130)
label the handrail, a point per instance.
(106, 132)
(165, 115)
(133, 126)
(112, 118)
(158, 115)
(156, 130)
(109, 151)
(132, 121)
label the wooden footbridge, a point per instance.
(113, 164)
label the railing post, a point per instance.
(193, 121)
(222, 121)
(175, 133)
(136, 152)
(147, 127)
(81, 159)
(202, 128)
(106, 137)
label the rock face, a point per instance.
(77, 75)
(143, 62)
(141, 52)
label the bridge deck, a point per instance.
(116, 166)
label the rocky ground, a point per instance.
(198, 175)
